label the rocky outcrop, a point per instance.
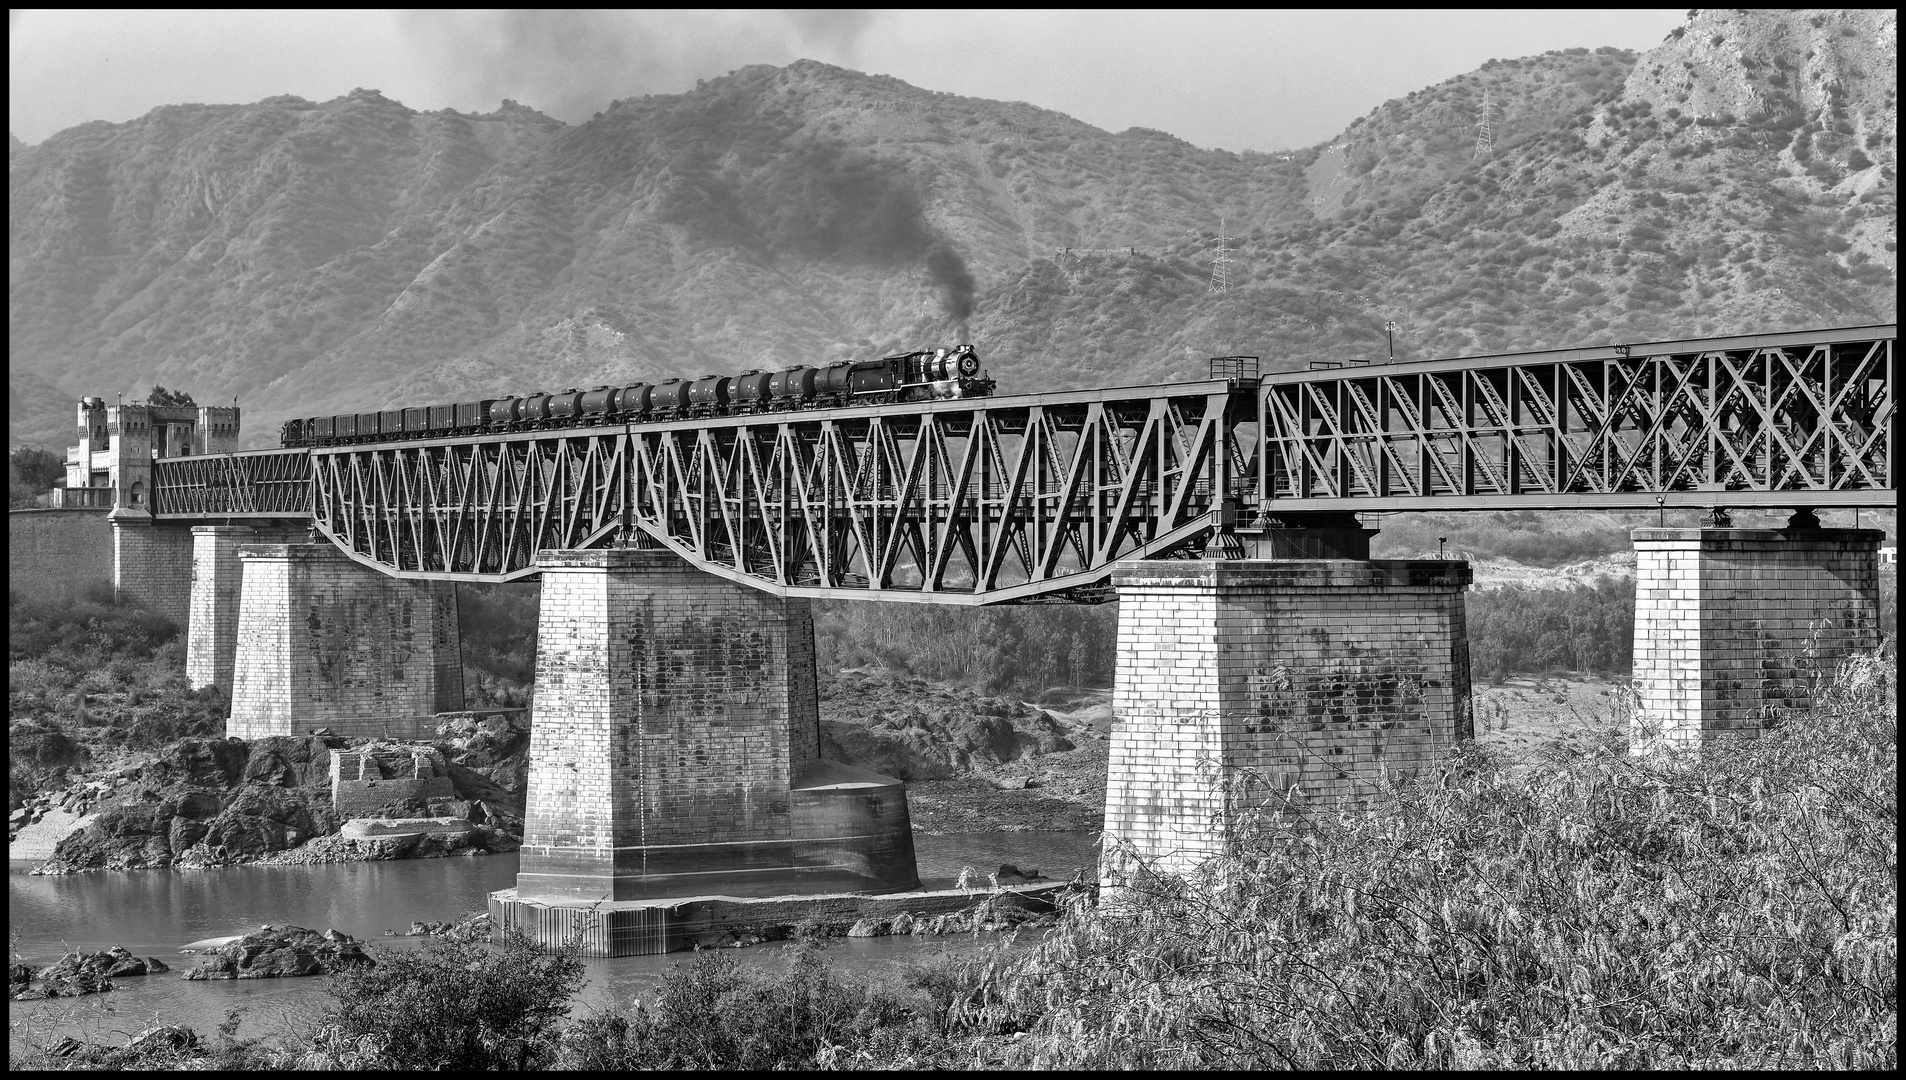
(914, 730)
(76, 974)
(165, 824)
(216, 802)
(282, 952)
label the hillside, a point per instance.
(311, 256)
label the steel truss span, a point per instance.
(975, 501)
(257, 484)
(1020, 499)
(1773, 419)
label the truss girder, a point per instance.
(993, 502)
(1780, 418)
(259, 484)
(1032, 498)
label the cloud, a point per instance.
(571, 63)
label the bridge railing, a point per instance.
(86, 498)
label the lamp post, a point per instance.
(1389, 331)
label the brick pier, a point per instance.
(1309, 676)
(152, 564)
(211, 641)
(1735, 628)
(675, 746)
(325, 642)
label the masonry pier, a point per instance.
(325, 642)
(152, 564)
(211, 642)
(1247, 682)
(1735, 629)
(675, 753)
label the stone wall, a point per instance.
(675, 714)
(325, 642)
(369, 779)
(1734, 628)
(58, 554)
(1282, 678)
(152, 564)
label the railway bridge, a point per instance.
(675, 745)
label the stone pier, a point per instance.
(1736, 628)
(325, 642)
(211, 642)
(1293, 678)
(152, 564)
(675, 751)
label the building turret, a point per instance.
(118, 444)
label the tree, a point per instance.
(161, 396)
(31, 470)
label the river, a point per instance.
(155, 912)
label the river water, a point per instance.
(155, 912)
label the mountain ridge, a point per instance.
(311, 257)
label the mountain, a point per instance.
(310, 257)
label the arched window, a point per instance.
(138, 493)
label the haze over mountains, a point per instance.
(313, 257)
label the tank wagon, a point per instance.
(922, 375)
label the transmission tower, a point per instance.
(1221, 266)
(1485, 131)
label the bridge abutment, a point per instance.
(1735, 629)
(152, 564)
(675, 751)
(1246, 680)
(324, 642)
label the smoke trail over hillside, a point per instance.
(571, 63)
(954, 280)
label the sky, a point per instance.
(1235, 80)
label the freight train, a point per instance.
(923, 375)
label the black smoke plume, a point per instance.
(954, 280)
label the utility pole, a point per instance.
(1221, 266)
(1389, 331)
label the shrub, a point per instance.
(712, 1013)
(458, 1006)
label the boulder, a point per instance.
(867, 928)
(284, 952)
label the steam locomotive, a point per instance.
(923, 375)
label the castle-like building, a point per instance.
(112, 465)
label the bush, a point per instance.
(458, 1006)
(712, 1013)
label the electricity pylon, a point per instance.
(1485, 131)
(1221, 266)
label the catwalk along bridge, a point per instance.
(1034, 497)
